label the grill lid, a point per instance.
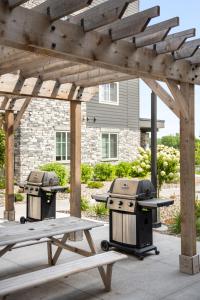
(42, 178)
(132, 189)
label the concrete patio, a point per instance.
(155, 278)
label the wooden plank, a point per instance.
(131, 25)
(59, 249)
(174, 41)
(187, 174)
(195, 59)
(187, 50)
(101, 15)
(6, 249)
(15, 3)
(94, 48)
(163, 95)
(4, 103)
(26, 103)
(55, 10)
(179, 97)
(75, 160)
(9, 213)
(43, 276)
(71, 248)
(60, 73)
(34, 231)
(155, 33)
(94, 252)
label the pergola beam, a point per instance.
(93, 47)
(163, 95)
(101, 15)
(155, 33)
(15, 3)
(174, 41)
(131, 25)
(65, 7)
(188, 49)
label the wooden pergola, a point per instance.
(45, 57)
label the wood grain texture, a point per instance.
(40, 277)
(34, 231)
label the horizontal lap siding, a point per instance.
(126, 114)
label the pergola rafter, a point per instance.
(61, 59)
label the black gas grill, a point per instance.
(41, 189)
(130, 204)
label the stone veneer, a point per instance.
(35, 138)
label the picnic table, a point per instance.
(55, 232)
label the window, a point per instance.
(109, 93)
(109, 146)
(62, 146)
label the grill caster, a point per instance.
(105, 246)
(157, 252)
(23, 220)
(141, 257)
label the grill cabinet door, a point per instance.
(117, 223)
(129, 229)
(34, 207)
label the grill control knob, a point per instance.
(130, 204)
(111, 201)
(120, 203)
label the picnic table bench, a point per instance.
(12, 235)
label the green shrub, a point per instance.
(2, 183)
(104, 172)
(19, 197)
(86, 173)
(95, 184)
(2, 148)
(123, 169)
(85, 204)
(100, 209)
(175, 227)
(60, 170)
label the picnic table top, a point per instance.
(19, 233)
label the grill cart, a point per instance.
(41, 189)
(130, 204)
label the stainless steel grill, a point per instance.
(130, 204)
(41, 188)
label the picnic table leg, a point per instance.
(59, 249)
(109, 277)
(93, 251)
(49, 251)
(6, 249)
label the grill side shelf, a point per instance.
(154, 203)
(101, 197)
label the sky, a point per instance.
(189, 12)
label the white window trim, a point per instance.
(61, 161)
(110, 158)
(110, 103)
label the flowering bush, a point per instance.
(167, 164)
(141, 167)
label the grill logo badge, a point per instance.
(125, 186)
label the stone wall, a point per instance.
(35, 140)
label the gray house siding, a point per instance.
(124, 115)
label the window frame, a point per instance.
(109, 102)
(66, 132)
(110, 158)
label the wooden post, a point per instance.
(75, 165)
(9, 213)
(189, 260)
